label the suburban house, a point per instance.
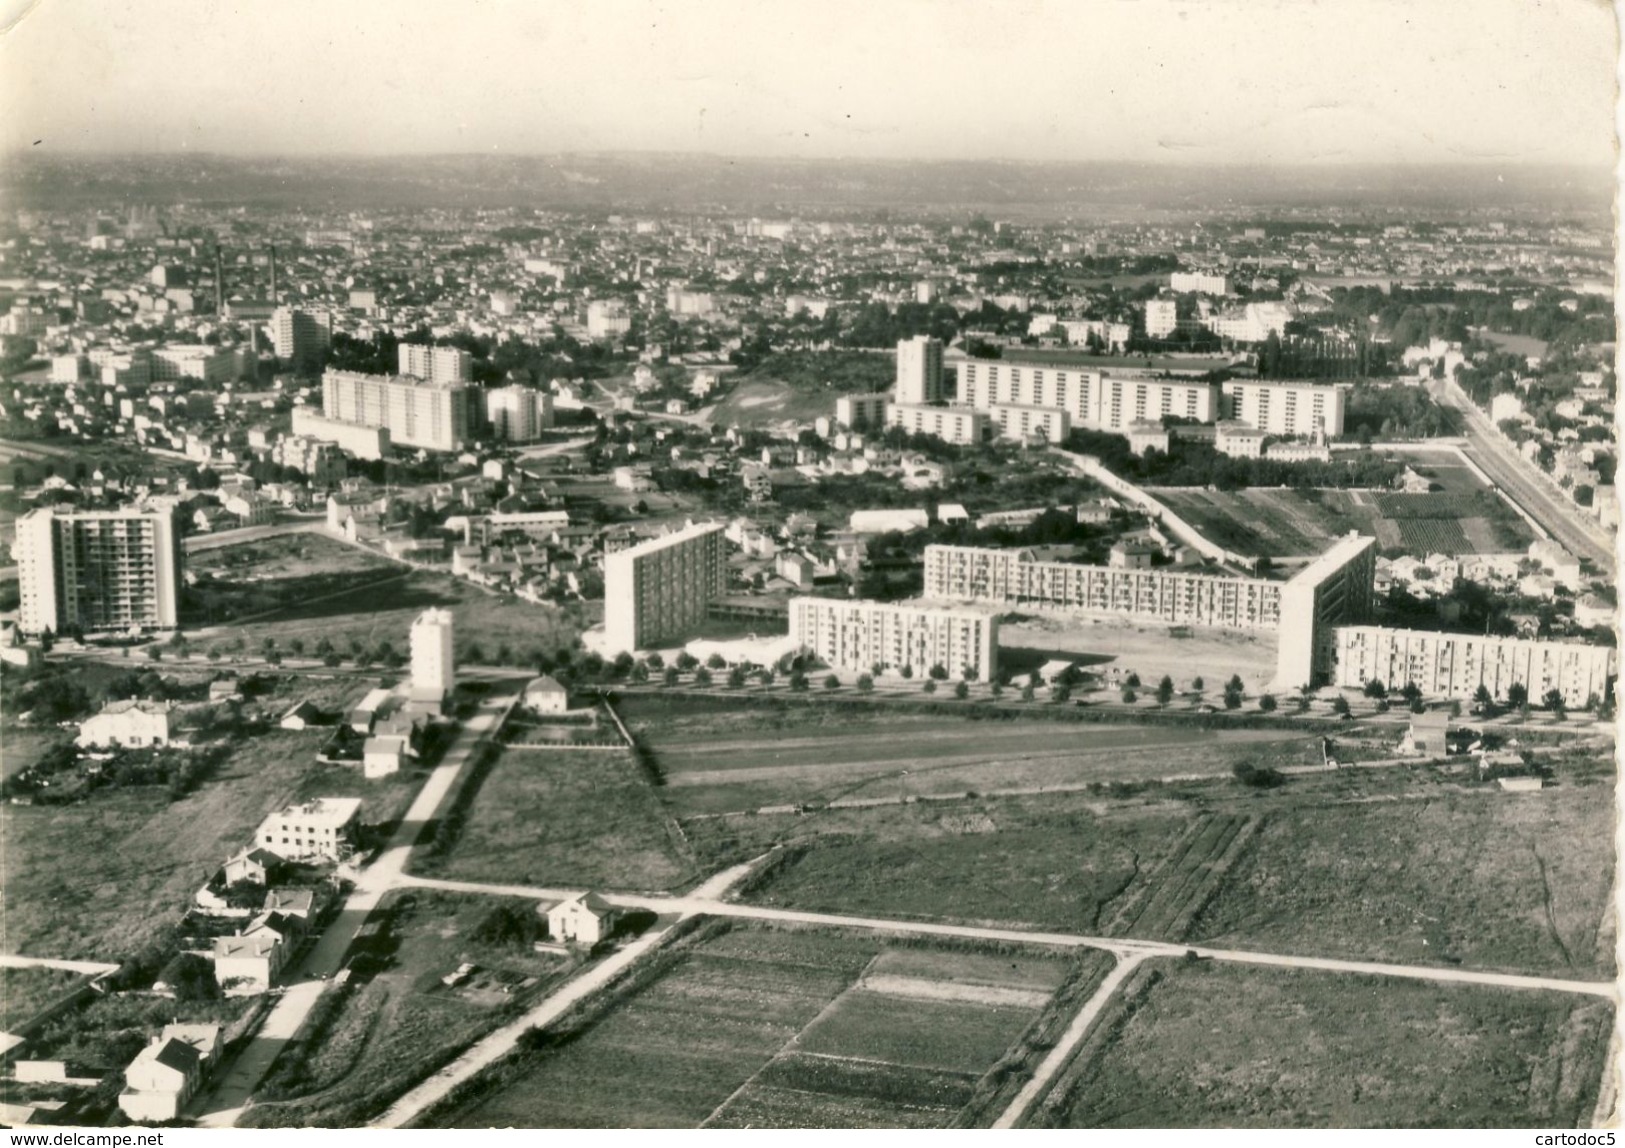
(131, 722)
(1426, 736)
(244, 965)
(304, 713)
(545, 695)
(382, 756)
(256, 866)
(165, 1074)
(324, 829)
(586, 920)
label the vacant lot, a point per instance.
(23, 992)
(1106, 643)
(1480, 879)
(96, 880)
(369, 1041)
(760, 402)
(752, 1027)
(718, 758)
(561, 817)
(1464, 518)
(491, 626)
(1214, 1045)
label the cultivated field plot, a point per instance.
(1474, 879)
(560, 818)
(717, 759)
(396, 1021)
(1122, 871)
(1205, 1044)
(754, 1027)
(1298, 523)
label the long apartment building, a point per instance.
(1013, 577)
(1336, 589)
(1091, 398)
(1287, 408)
(662, 589)
(956, 424)
(858, 636)
(416, 412)
(1455, 665)
(364, 442)
(103, 571)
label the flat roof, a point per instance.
(1201, 364)
(1332, 560)
(652, 545)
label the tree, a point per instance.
(1235, 683)
(1266, 704)
(939, 672)
(656, 662)
(1061, 694)
(1302, 702)
(996, 689)
(1375, 689)
(961, 690)
(866, 684)
(765, 676)
(670, 676)
(798, 681)
(1132, 681)
(1165, 690)
(1553, 700)
(1411, 692)
(297, 645)
(930, 685)
(1129, 696)
(1232, 698)
(1197, 683)
(1517, 695)
(716, 662)
(686, 661)
(736, 678)
(1482, 696)
(154, 654)
(907, 671)
(1340, 705)
(702, 676)
(832, 682)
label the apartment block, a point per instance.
(518, 413)
(1016, 422)
(1336, 589)
(364, 442)
(416, 412)
(1287, 408)
(1198, 282)
(984, 574)
(860, 412)
(919, 371)
(861, 635)
(299, 337)
(435, 364)
(955, 424)
(195, 361)
(105, 571)
(434, 666)
(1092, 399)
(1455, 665)
(661, 590)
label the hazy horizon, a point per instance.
(1157, 82)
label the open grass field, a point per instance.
(383, 612)
(1463, 518)
(718, 759)
(1212, 1045)
(96, 880)
(23, 992)
(369, 1041)
(1482, 879)
(563, 817)
(759, 402)
(753, 1027)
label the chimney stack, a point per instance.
(219, 284)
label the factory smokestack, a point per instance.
(219, 283)
(273, 273)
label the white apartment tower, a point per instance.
(518, 413)
(919, 371)
(661, 590)
(299, 337)
(434, 666)
(435, 364)
(1287, 408)
(416, 412)
(104, 571)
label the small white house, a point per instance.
(586, 920)
(165, 1074)
(382, 756)
(131, 722)
(545, 695)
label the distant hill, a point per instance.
(676, 182)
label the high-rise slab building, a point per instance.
(435, 364)
(299, 337)
(1287, 408)
(919, 371)
(518, 413)
(1092, 399)
(662, 589)
(434, 416)
(102, 571)
(1455, 665)
(1335, 589)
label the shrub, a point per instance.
(961, 691)
(1267, 703)
(939, 673)
(930, 686)
(832, 682)
(1129, 695)
(702, 676)
(866, 684)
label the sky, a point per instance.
(1196, 81)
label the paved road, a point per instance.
(88, 968)
(226, 1101)
(1529, 487)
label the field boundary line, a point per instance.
(1051, 1065)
